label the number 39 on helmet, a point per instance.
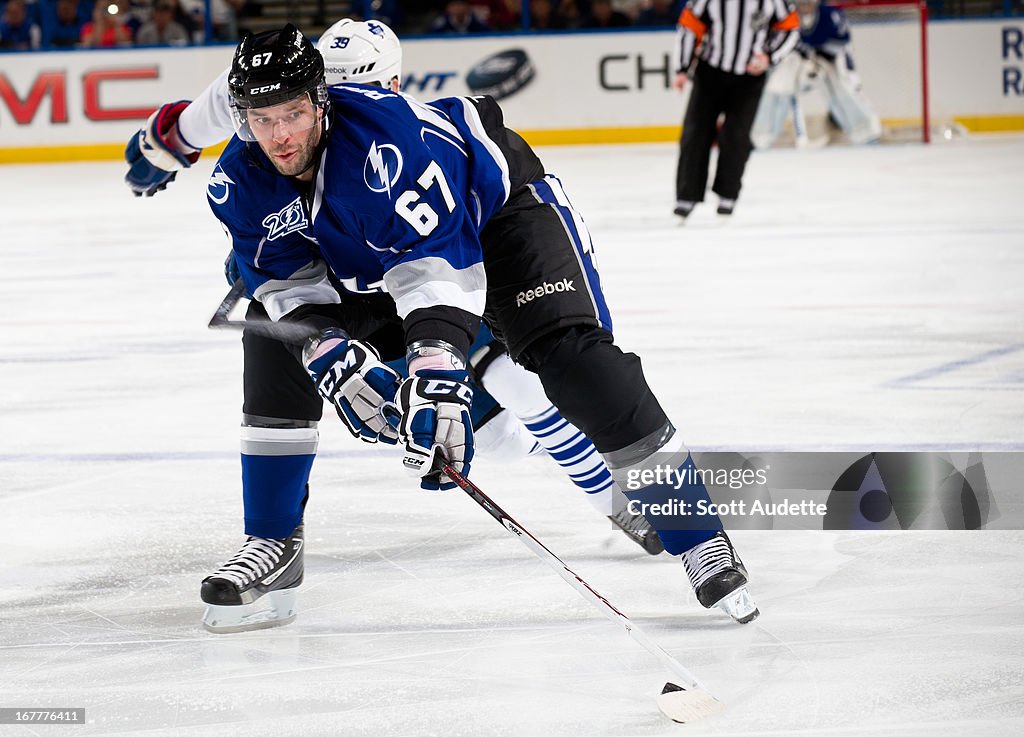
(365, 52)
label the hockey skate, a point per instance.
(726, 206)
(256, 588)
(719, 578)
(683, 209)
(637, 529)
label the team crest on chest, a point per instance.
(382, 167)
(291, 217)
(217, 187)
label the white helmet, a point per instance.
(365, 52)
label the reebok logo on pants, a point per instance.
(566, 285)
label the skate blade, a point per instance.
(687, 705)
(271, 610)
(740, 606)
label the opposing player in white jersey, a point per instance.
(823, 66)
(366, 53)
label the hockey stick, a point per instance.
(680, 703)
(287, 332)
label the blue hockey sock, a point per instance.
(666, 488)
(275, 475)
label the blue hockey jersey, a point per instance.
(402, 191)
(830, 33)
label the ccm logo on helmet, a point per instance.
(566, 285)
(265, 88)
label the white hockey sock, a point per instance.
(520, 392)
(577, 456)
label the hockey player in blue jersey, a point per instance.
(451, 212)
(823, 64)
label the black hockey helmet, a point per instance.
(273, 67)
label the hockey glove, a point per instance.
(231, 272)
(156, 152)
(436, 422)
(350, 375)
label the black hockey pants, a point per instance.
(714, 93)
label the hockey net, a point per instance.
(889, 44)
(889, 48)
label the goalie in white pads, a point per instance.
(821, 68)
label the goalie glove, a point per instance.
(349, 374)
(156, 152)
(436, 422)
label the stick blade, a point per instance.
(687, 705)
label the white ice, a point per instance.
(866, 298)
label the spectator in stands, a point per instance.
(544, 16)
(64, 29)
(134, 13)
(17, 32)
(499, 15)
(161, 29)
(388, 12)
(107, 28)
(458, 17)
(185, 20)
(85, 8)
(603, 15)
(570, 13)
(224, 17)
(659, 13)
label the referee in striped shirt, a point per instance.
(736, 41)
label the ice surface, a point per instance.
(862, 298)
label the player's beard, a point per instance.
(302, 160)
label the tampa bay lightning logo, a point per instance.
(217, 188)
(292, 217)
(375, 28)
(382, 168)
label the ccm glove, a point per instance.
(156, 152)
(436, 421)
(349, 374)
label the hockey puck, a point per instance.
(501, 74)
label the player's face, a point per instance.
(288, 134)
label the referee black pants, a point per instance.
(715, 93)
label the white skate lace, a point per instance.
(705, 560)
(258, 557)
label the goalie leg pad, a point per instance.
(849, 106)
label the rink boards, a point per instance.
(557, 88)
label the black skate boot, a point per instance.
(719, 578)
(638, 529)
(683, 208)
(256, 588)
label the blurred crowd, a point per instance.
(64, 24)
(469, 16)
(46, 24)
(34, 24)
